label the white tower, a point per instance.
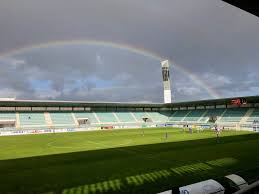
(166, 81)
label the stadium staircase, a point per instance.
(152, 116)
(254, 116)
(186, 115)
(106, 117)
(97, 118)
(117, 118)
(75, 120)
(202, 116)
(220, 117)
(178, 116)
(48, 119)
(17, 122)
(171, 115)
(136, 120)
(148, 115)
(247, 116)
(158, 117)
(194, 115)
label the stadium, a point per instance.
(58, 59)
(98, 147)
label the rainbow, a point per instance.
(122, 46)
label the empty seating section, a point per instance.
(194, 115)
(212, 112)
(178, 115)
(35, 120)
(106, 117)
(233, 115)
(254, 116)
(158, 117)
(125, 117)
(7, 116)
(30, 120)
(166, 113)
(86, 115)
(60, 119)
(140, 115)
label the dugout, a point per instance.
(7, 123)
(83, 121)
(147, 120)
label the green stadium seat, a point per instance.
(60, 119)
(233, 115)
(178, 115)
(106, 117)
(125, 117)
(7, 116)
(194, 115)
(32, 120)
(158, 117)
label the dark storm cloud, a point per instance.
(210, 38)
(115, 75)
(9, 78)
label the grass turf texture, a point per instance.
(123, 161)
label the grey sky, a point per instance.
(216, 41)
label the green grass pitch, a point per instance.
(123, 161)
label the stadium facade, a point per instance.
(17, 116)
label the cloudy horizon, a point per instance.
(212, 47)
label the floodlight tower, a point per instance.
(166, 81)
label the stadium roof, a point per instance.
(52, 103)
(250, 99)
(249, 6)
(72, 103)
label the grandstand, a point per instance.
(22, 115)
(103, 157)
